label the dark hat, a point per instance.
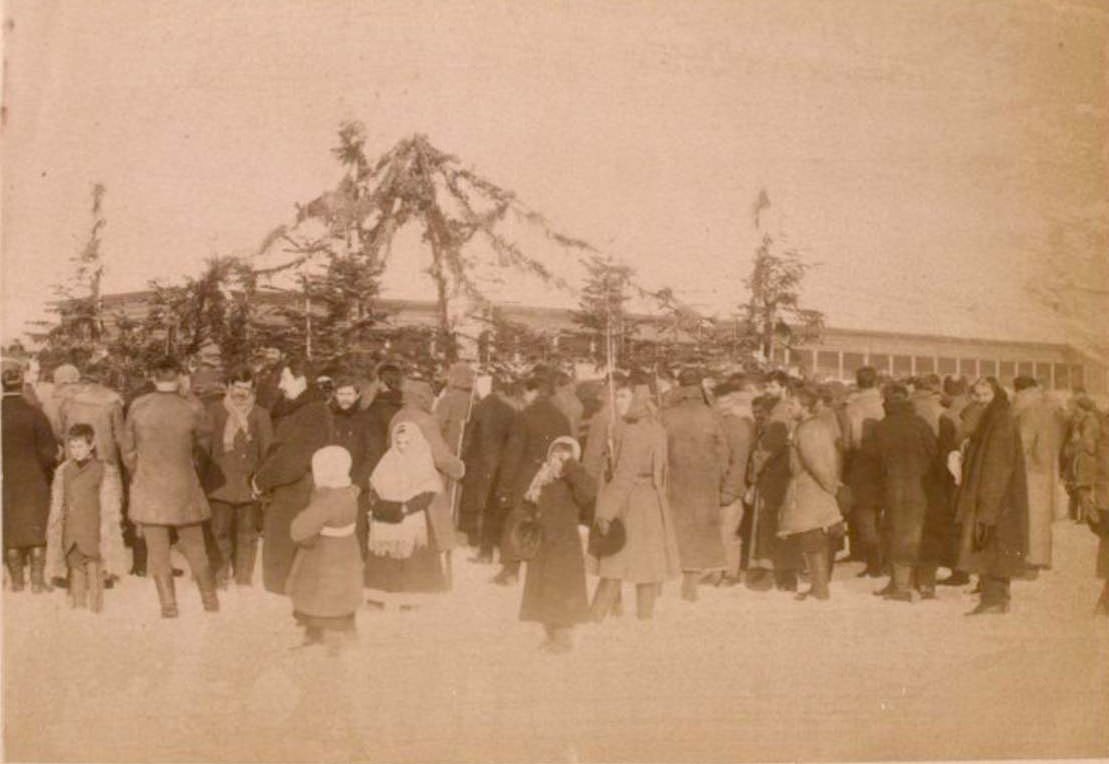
(690, 377)
(12, 376)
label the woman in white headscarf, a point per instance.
(402, 560)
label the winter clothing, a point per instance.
(810, 501)
(533, 431)
(326, 577)
(29, 452)
(771, 476)
(379, 415)
(699, 457)
(907, 450)
(928, 407)
(238, 445)
(554, 590)
(162, 433)
(637, 494)
(566, 400)
(98, 406)
(1035, 417)
(491, 424)
(863, 475)
(453, 411)
(285, 474)
(85, 501)
(417, 409)
(993, 497)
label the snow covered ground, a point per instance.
(739, 675)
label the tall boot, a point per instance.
(874, 563)
(645, 595)
(206, 583)
(78, 587)
(603, 597)
(96, 586)
(38, 570)
(818, 576)
(167, 597)
(901, 583)
(13, 558)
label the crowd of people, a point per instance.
(361, 490)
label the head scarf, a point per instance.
(546, 474)
(399, 477)
(331, 467)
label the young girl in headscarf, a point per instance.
(324, 581)
(401, 562)
(554, 590)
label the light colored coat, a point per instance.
(163, 433)
(112, 552)
(1036, 417)
(814, 466)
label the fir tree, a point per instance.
(602, 309)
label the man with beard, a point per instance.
(533, 431)
(773, 561)
(352, 432)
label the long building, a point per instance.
(838, 354)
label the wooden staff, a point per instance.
(455, 483)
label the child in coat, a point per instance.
(325, 582)
(83, 530)
(554, 589)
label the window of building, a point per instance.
(1043, 374)
(1062, 377)
(827, 362)
(902, 365)
(880, 362)
(968, 367)
(1008, 372)
(1077, 376)
(948, 366)
(1026, 369)
(801, 358)
(925, 364)
(987, 368)
(852, 362)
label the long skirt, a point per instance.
(420, 573)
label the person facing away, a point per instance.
(492, 422)
(29, 454)
(906, 447)
(92, 403)
(554, 587)
(241, 436)
(733, 402)
(352, 432)
(1036, 420)
(699, 454)
(863, 471)
(83, 536)
(161, 436)
(325, 582)
(809, 517)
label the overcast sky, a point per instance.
(917, 150)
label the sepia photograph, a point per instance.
(554, 380)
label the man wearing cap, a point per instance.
(29, 454)
(699, 454)
(161, 437)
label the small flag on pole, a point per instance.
(761, 203)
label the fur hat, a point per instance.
(331, 467)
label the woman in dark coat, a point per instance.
(29, 454)
(554, 588)
(992, 501)
(301, 427)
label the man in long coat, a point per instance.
(863, 471)
(302, 425)
(906, 446)
(491, 425)
(29, 454)
(533, 431)
(940, 545)
(161, 438)
(453, 411)
(1036, 420)
(769, 474)
(733, 401)
(699, 454)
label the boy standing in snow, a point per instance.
(83, 530)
